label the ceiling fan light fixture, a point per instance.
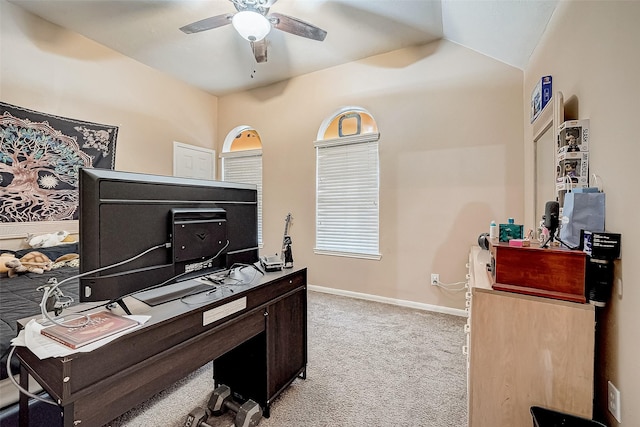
(251, 25)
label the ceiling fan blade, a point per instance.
(207, 24)
(296, 26)
(260, 50)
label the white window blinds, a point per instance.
(246, 169)
(347, 188)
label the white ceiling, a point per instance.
(221, 62)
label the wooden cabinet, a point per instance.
(524, 351)
(547, 272)
(283, 347)
(286, 341)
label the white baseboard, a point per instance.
(393, 301)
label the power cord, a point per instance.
(52, 291)
(166, 282)
(18, 386)
(447, 286)
(49, 291)
(220, 280)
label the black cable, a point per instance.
(242, 265)
(239, 266)
(168, 281)
(221, 281)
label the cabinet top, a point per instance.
(480, 279)
(535, 247)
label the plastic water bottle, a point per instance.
(493, 230)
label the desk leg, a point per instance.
(67, 415)
(23, 414)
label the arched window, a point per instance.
(242, 162)
(347, 185)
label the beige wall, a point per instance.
(450, 161)
(591, 49)
(46, 68)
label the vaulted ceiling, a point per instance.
(220, 61)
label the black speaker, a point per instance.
(483, 241)
(599, 280)
(551, 214)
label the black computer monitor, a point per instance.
(188, 226)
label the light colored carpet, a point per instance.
(369, 364)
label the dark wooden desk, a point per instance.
(269, 333)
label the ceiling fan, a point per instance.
(253, 22)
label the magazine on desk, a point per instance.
(100, 325)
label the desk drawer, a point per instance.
(277, 289)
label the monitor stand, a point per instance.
(123, 306)
(171, 292)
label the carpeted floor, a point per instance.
(370, 364)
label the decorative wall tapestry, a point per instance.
(40, 156)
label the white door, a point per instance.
(190, 161)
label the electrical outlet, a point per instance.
(614, 401)
(435, 278)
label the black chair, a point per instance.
(543, 417)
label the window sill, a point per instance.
(348, 254)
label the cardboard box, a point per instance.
(510, 231)
(540, 96)
(520, 243)
(600, 244)
(573, 136)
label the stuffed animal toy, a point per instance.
(48, 240)
(33, 262)
(4, 259)
(72, 260)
